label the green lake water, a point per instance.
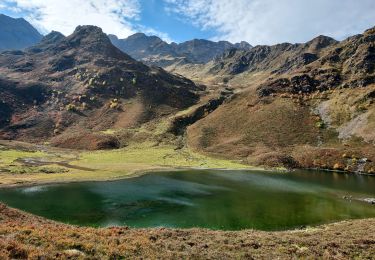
(228, 200)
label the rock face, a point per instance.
(17, 34)
(278, 58)
(346, 64)
(154, 51)
(65, 86)
(297, 105)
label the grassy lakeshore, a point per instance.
(24, 164)
(24, 236)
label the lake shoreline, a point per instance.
(244, 192)
(132, 175)
(313, 242)
(344, 240)
(109, 165)
(141, 172)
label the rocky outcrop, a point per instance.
(317, 80)
(277, 59)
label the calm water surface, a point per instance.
(230, 200)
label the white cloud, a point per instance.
(64, 15)
(117, 17)
(275, 21)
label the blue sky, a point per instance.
(255, 21)
(154, 15)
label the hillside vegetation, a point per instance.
(307, 105)
(298, 105)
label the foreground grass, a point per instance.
(24, 236)
(62, 166)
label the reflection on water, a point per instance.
(34, 189)
(214, 199)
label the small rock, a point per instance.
(73, 253)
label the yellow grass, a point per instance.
(104, 165)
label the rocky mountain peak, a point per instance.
(53, 36)
(321, 42)
(370, 31)
(243, 45)
(144, 40)
(154, 51)
(89, 34)
(138, 35)
(90, 40)
(47, 42)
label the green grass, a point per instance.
(146, 154)
(21, 169)
(102, 165)
(9, 156)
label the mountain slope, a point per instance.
(257, 63)
(17, 34)
(154, 51)
(307, 105)
(66, 89)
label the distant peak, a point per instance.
(9, 18)
(113, 37)
(198, 41)
(88, 30)
(370, 31)
(139, 34)
(324, 38)
(53, 36)
(321, 41)
(142, 36)
(91, 40)
(89, 34)
(243, 45)
(56, 33)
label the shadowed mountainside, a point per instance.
(17, 33)
(66, 87)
